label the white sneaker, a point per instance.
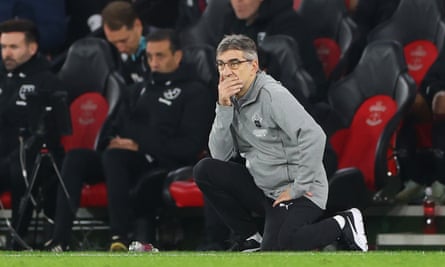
(353, 233)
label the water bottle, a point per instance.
(429, 212)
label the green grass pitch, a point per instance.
(216, 259)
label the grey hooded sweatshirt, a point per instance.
(282, 144)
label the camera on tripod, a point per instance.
(48, 117)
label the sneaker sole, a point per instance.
(359, 236)
(251, 250)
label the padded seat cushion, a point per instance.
(186, 194)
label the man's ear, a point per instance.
(178, 56)
(33, 47)
(138, 25)
(255, 66)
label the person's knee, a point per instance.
(201, 169)
(111, 157)
(77, 159)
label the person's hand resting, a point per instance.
(123, 143)
(285, 196)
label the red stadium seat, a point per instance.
(95, 88)
(368, 106)
(419, 27)
(334, 32)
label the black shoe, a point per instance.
(353, 234)
(250, 244)
(54, 247)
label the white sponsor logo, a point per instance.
(418, 55)
(87, 112)
(375, 114)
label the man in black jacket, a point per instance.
(27, 91)
(258, 19)
(162, 123)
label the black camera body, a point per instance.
(48, 114)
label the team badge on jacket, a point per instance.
(257, 120)
(258, 131)
(25, 90)
(169, 95)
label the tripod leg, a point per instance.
(59, 177)
(28, 194)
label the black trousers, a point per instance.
(428, 165)
(79, 166)
(124, 170)
(231, 191)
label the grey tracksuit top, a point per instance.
(282, 144)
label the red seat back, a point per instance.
(186, 194)
(356, 146)
(334, 33)
(88, 113)
(329, 53)
(418, 26)
(297, 4)
(368, 106)
(94, 195)
(419, 56)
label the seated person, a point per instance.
(161, 123)
(26, 126)
(124, 29)
(429, 107)
(259, 18)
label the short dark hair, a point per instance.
(118, 14)
(163, 35)
(238, 42)
(21, 25)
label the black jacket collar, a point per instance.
(36, 64)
